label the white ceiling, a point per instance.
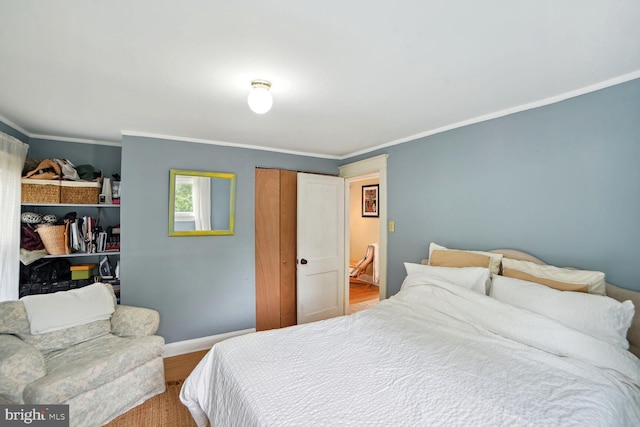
(347, 75)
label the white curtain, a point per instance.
(12, 155)
(202, 202)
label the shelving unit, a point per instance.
(59, 206)
(106, 215)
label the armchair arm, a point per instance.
(129, 321)
(20, 364)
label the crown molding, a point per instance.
(506, 112)
(14, 126)
(57, 138)
(77, 140)
(226, 144)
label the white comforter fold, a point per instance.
(434, 354)
(517, 324)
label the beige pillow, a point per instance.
(458, 259)
(445, 257)
(563, 279)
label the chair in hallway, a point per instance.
(359, 269)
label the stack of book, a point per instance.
(113, 239)
(86, 236)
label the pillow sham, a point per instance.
(564, 279)
(599, 316)
(476, 279)
(445, 257)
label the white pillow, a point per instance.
(474, 278)
(597, 315)
(564, 279)
(494, 259)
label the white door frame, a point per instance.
(377, 164)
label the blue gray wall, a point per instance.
(561, 182)
(202, 285)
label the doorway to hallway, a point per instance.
(352, 172)
(364, 243)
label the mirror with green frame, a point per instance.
(201, 203)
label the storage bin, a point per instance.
(81, 274)
(82, 271)
(79, 192)
(40, 191)
(54, 238)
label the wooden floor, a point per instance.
(361, 292)
(179, 367)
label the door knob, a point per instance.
(303, 261)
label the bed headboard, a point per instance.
(612, 291)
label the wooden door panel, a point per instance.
(288, 224)
(267, 248)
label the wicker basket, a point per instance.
(40, 191)
(79, 193)
(54, 239)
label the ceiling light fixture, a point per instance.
(260, 99)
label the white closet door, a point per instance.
(320, 272)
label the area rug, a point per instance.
(162, 410)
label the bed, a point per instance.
(439, 352)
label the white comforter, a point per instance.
(434, 354)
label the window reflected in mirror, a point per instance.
(201, 203)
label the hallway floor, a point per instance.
(362, 296)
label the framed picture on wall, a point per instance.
(370, 201)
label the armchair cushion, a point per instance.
(129, 321)
(58, 340)
(85, 366)
(20, 364)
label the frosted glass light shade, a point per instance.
(260, 99)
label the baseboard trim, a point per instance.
(197, 344)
